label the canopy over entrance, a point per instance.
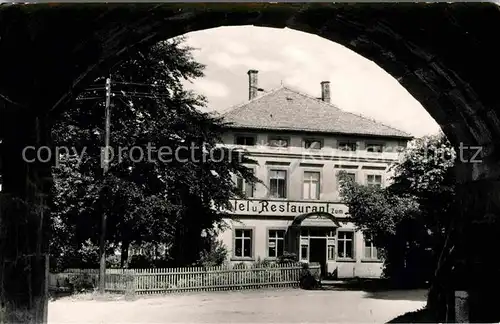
(297, 221)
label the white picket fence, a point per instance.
(165, 280)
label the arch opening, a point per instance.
(428, 56)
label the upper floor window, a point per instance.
(347, 146)
(244, 186)
(245, 140)
(278, 141)
(312, 144)
(311, 185)
(349, 175)
(374, 180)
(375, 148)
(277, 183)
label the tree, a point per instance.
(408, 220)
(156, 197)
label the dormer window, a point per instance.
(374, 148)
(347, 146)
(312, 144)
(276, 141)
(245, 140)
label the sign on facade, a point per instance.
(285, 208)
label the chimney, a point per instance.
(325, 91)
(253, 84)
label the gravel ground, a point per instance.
(250, 306)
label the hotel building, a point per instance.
(300, 143)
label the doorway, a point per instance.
(318, 253)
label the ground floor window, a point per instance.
(275, 243)
(243, 243)
(304, 249)
(370, 249)
(345, 248)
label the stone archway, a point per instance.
(446, 61)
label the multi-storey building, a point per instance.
(299, 144)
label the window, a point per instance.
(374, 180)
(311, 185)
(330, 243)
(370, 249)
(278, 141)
(276, 243)
(243, 243)
(375, 148)
(331, 252)
(350, 175)
(277, 183)
(345, 247)
(244, 186)
(312, 144)
(304, 249)
(245, 140)
(347, 146)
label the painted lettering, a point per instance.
(241, 206)
(264, 206)
(281, 207)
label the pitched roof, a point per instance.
(287, 109)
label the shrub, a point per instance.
(262, 263)
(81, 282)
(215, 256)
(140, 262)
(241, 265)
(288, 258)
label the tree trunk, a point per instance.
(24, 222)
(124, 253)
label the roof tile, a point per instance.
(288, 109)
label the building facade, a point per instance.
(299, 144)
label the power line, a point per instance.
(137, 84)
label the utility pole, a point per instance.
(102, 243)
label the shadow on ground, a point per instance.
(419, 316)
(378, 289)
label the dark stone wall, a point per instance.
(445, 55)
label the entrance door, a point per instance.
(317, 251)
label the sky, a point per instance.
(301, 61)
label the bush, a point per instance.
(288, 258)
(215, 257)
(262, 263)
(140, 262)
(241, 265)
(82, 282)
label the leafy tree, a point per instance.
(408, 220)
(168, 193)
